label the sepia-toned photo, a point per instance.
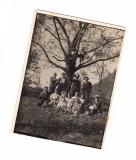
(68, 79)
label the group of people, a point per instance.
(70, 95)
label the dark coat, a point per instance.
(44, 96)
(63, 84)
(75, 86)
(86, 91)
(87, 87)
(52, 84)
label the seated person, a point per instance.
(54, 98)
(75, 104)
(69, 103)
(96, 105)
(62, 105)
(83, 106)
(44, 97)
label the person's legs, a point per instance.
(44, 104)
(86, 97)
(41, 102)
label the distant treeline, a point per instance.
(106, 86)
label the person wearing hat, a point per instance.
(86, 89)
(96, 105)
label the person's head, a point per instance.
(86, 79)
(63, 74)
(77, 76)
(46, 88)
(54, 74)
(96, 97)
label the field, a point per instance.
(50, 124)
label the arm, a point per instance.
(90, 87)
(51, 98)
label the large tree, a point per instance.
(73, 45)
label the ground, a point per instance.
(49, 124)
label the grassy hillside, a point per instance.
(50, 124)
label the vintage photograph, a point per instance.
(69, 79)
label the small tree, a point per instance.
(100, 71)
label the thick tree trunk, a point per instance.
(70, 68)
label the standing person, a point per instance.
(62, 83)
(86, 89)
(69, 82)
(52, 84)
(75, 85)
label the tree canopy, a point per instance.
(73, 45)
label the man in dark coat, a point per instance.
(86, 89)
(62, 83)
(52, 84)
(75, 85)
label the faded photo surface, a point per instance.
(69, 78)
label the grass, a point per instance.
(49, 124)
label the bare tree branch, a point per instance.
(64, 30)
(62, 60)
(103, 45)
(59, 37)
(49, 51)
(89, 59)
(83, 27)
(48, 58)
(99, 60)
(46, 29)
(79, 34)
